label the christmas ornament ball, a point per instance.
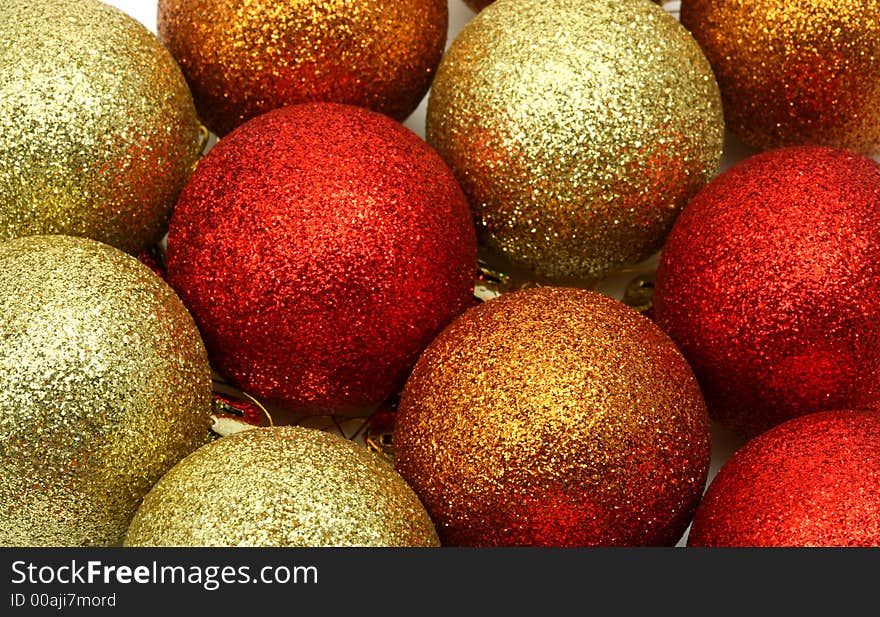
(794, 73)
(282, 486)
(811, 481)
(770, 285)
(98, 130)
(244, 59)
(104, 386)
(578, 149)
(554, 417)
(320, 248)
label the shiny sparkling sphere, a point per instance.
(794, 73)
(770, 285)
(578, 130)
(282, 486)
(554, 417)
(104, 386)
(98, 131)
(245, 58)
(811, 481)
(320, 248)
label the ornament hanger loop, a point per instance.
(236, 411)
(204, 136)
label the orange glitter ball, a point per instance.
(243, 59)
(554, 417)
(794, 73)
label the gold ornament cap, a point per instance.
(282, 486)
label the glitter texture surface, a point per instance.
(479, 5)
(794, 73)
(557, 417)
(243, 58)
(770, 285)
(812, 481)
(577, 129)
(320, 248)
(104, 386)
(98, 131)
(282, 486)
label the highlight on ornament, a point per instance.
(282, 486)
(554, 417)
(578, 149)
(98, 130)
(770, 285)
(320, 248)
(245, 59)
(811, 481)
(104, 386)
(794, 73)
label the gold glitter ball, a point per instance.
(98, 130)
(243, 59)
(104, 386)
(478, 5)
(282, 486)
(794, 73)
(554, 417)
(577, 128)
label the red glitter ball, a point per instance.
(770, 285)
(320, 247)
(811, 481)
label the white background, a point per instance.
(724, 443)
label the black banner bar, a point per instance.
(230, 581)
